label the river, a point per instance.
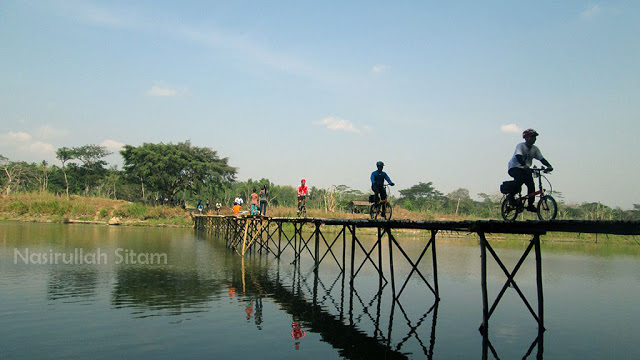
(84, 291)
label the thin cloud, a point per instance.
(379, 68)
(338, 124)
(39, 148)
(590, 12)
(112, 144)
(23, 143)
(15, 137)
(510, 128)
(162, 91)
(236, 44)
(48, 132)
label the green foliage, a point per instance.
(83, 209)
(50, 207)
(131, 210)
(103, 213)
(18, 207)
(172, 168)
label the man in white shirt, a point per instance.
(520, 164)
(238, 200)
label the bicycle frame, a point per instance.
(378, 201)
(541, 191)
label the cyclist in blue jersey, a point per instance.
(377, 185)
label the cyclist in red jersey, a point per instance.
(303, 191)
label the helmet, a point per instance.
(303, 179)
(379, 163)
(529, 132)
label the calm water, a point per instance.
(208, 302)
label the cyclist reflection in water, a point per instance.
(249, 309)
(521, 162)
(377, 185)
(258, 316)
(297, 333)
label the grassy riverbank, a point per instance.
(80, 209)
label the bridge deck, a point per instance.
(485, 226)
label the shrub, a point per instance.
(18, 207)
(50, 207)
(132, 210)
(103, 213)
(83, 209)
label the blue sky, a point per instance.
(440, 91)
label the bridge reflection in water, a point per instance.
(327, 305)
(308, 298)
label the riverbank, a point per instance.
(89, 210)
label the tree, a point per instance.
(13, 172)
(420, 191)
(421, 197)
(170, 168)
(93, 166)
(458, 196)
(65, 154)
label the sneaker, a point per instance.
(531, 208)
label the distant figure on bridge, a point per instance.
(218, 207)
(263, 201)
(377, 185)
(236, 208)
(254, 202)
(303, 191)
(521, 162)
(238, 201)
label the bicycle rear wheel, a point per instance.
(547, 208)
(509, 211)
(373, 211)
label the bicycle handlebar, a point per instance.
(542, 169)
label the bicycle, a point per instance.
(302, 208)
(547, 208)
(376, 208)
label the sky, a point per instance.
(439, 91)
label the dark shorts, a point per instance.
(379, 191)
(301, 197)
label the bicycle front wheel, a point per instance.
(547, 208)
(388, 212)
(509, 211)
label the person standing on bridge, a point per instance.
(263, 201)
(377, 185)
(520, 164)
(254, 202)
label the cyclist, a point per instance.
(520, 163)
(303, 191)
(377, 185)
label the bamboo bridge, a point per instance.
(325, 239)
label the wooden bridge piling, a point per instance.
(253, 235)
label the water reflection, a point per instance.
(536, 344)
(71, 284)
(151, 288)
